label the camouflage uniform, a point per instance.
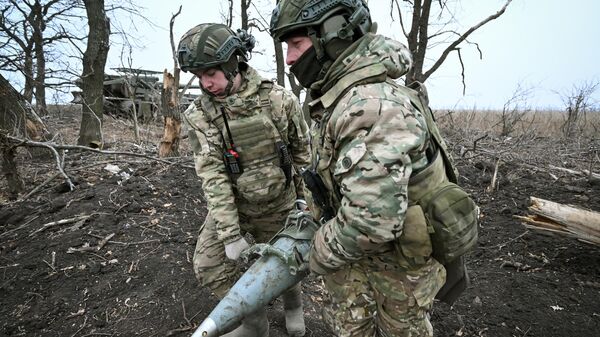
(257, 201)
(375, 254)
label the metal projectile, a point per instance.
(282, 264)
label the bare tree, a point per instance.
(515, 109)
(92, 76)
(577, 101)
(17, 118)
(420, 39)
(169, 144)
(28, 30)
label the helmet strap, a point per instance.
(230, 76)
(317, 43)
(321, 55)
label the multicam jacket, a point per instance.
(258, 119)
(368, 141)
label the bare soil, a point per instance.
(120, 262)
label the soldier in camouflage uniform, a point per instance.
(248, 136)
(370, 142)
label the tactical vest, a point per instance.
(266, 165)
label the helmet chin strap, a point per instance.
(322, 56)
(230, 76)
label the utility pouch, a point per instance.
(453, 216)
(261, 184)
(232, 162)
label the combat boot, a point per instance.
(294, 314)
(254, 325)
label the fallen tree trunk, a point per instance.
(556, 218)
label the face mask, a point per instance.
(307, 68)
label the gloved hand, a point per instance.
(234, 249)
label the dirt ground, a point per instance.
(113, 257)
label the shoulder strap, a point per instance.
(264, 91)
(420, 91)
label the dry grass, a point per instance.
(536, 142)
(536, 123)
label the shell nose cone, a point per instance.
(208, 328)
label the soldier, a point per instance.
(376, 152)
(248, 136)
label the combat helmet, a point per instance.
(332, 25)
(214, 45)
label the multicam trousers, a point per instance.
(383, 301)
(212, 268)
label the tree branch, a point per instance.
(463, 37)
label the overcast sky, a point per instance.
(546, 45)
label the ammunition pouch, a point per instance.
(450, 213)
(451, 220)
(260, 185)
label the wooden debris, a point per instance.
(61, 222)
(561, 219)
(583, 173)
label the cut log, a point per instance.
(562, 219)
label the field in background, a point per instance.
(534, 123)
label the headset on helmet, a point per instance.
(332, 24)
(211, 44)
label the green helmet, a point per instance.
(332, 25)
(211, 45)
(291, 16)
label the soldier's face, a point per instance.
(213, 80)
(296, 46)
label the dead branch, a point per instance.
(87, 248)
(517, 265)
(40, 186)
(23, 142)
(60, 161)
(493, 184)
(504, 244)
(187, 327)
(61, 222)
(104, 241)
(125, 243)
(20, 227)
(582, 173)
(462, 38)
(172, 39)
